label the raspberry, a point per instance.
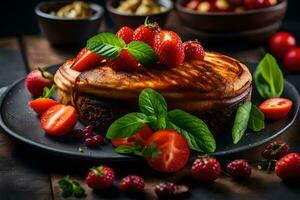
(165, 190)
(239, 169)
(132, 183)
(206, 169)
(101, 177)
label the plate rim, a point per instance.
(63, 153)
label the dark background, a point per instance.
(17, 17)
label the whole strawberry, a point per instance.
(146, 32)
(126, 34)
(125, 61)
(206, 169)
(101, 177)
(37, 80)
(193, 50)
(132, 183)
(169, 48)
(239, 169)
(276, 150)
(288, 167)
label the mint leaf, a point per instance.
(71, 187)
(48, 93)
(108, 45)
(136, 147)
(194, 130)
(142, 52)
(269, 78)
(127, 125)
(241, 122)
(256, 120)
(151, 150)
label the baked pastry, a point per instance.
(210, 89)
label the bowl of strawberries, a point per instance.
(225, 19)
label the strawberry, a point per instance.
(37, 80)
(42, 104)
(132, 183)
(276, 150)
(125, 61)
(101, 177)
(288, 167)
(193, 50)
(86, 60)
(146, 32)
(126, 34)
(206, 169)
(239, 169)
(169, 48)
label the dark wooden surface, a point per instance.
(26, 173)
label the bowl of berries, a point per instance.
(255, 20)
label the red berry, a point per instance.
(239, 169)
(88, 131)
(193, 50)
(90, 142)
(125, 61)
(276, 150)
(146, 32)
(281, 43)
(292, 59)
(78, 133)
(206, 169)
(165, 190)
(101, 177)
(37, 80)
(99, 139)
(288, 167)
(268, 3)
(169, 48)
(253, 4)
(86, 60)
(126, 34)
(132, 183)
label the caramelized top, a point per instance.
(218, 76)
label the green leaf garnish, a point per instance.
(241, 122)
(108, 45)
(269, 78)
(48, 93)
(256, 120)
(194, 130)
(142, 52)
(127, 125)
(71, 187)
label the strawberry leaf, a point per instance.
(142, 52)
(107, 45)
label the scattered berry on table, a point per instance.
(165, 190)
(239, 169)
(276, 150)
(101, 177)
(132, 183)
(206, 169)
(288, 167)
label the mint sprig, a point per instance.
(109, 46)
(48, 93)
(154, 112)
(71, 187)
(269, 78)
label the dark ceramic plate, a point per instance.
(19, 121)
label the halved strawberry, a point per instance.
(42, 104)
(142, 136)
(175, 151)
(86, 60)
(59, 120)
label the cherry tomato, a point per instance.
(86, 60)
(40, 105)
(175, 151)
(281, 42)
(59, 120)
(276, 108)
(292, 59)
(142, 136)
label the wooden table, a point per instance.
(26, 173)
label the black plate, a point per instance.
(19, 121)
